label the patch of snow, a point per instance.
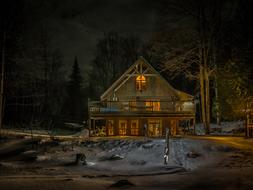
(43, 158)
(84, 133)
(90, 164)
(231, 127)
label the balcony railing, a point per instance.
(141, 106)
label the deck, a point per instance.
(142, 108)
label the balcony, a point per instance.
(141, 107)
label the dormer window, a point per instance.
(141, 82)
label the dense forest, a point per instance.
(207, 51)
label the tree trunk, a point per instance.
(247, 121)
(207, 101)
(202, 96)
(2, 83)
(217, 104)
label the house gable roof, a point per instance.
(132, 70)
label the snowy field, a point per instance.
(225, 128)
(198, 162)
(114, 156)
(134, 156)
(121, 156)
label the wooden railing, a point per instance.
(141, 106)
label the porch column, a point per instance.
(194, 126)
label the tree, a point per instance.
(75, 105)
(193, 51)
(11, 20)
(235, 82)
(2, 82)
(235, 71)
(36, 83)
(49, 62)
(33, 78)
(114, 54)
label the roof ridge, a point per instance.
(176, 91)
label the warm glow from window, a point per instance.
(154, 127)
(110, 127)
(153, 105)
(122, 127)
(141, 82)
(134, 127)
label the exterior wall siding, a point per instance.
(156, 104)
(156, 88)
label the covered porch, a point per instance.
(149, 126)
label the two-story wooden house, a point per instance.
(141, 103)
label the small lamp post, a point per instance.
(167, 147)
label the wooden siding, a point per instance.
(123, 102)
(156, 88)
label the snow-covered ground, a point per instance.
(127, 156)
(139, 160)
(225, 128)
(122, 156)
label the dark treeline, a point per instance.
(209, 45)
(37, 91)
(114, 54)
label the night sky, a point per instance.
(76, 26)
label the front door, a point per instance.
(154, 127)
(122, 127)
(134, 127)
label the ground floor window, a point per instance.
(122, 127)
(155, 127)
(134, 127)
(110, 127)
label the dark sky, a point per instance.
(77, 25)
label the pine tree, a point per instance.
(75, 104)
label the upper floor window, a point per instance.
(141, 82)
(153, 105)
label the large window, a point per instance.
(153, 105)
(141, 82)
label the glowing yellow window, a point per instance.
(141, 82)
(122, 127)
(110, 127)
(153, 105)
(154, 127)
(134, 127)
(156, 106)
